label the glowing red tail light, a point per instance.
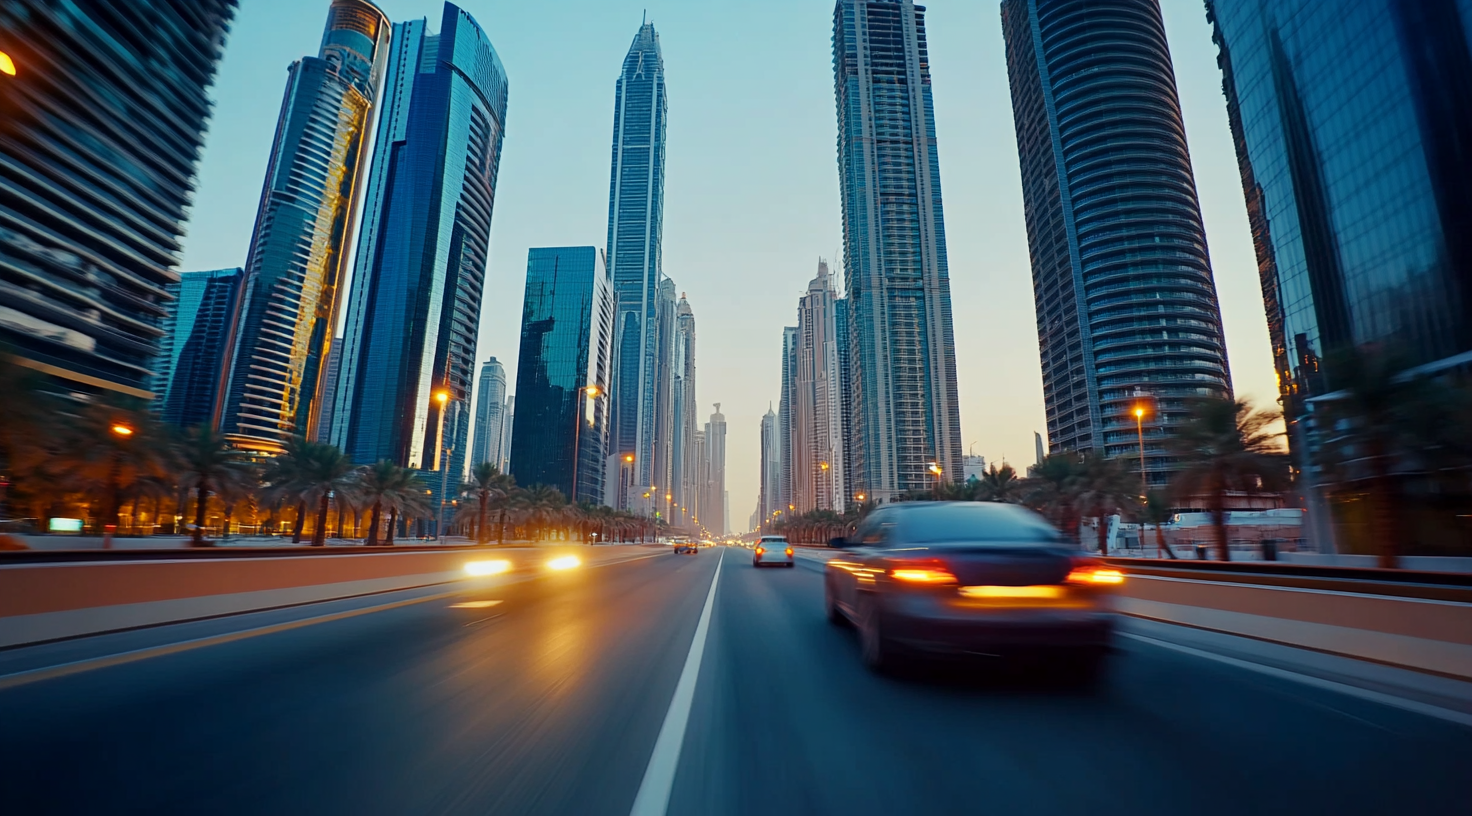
(1088, 574)
(759, 550)
(789, 551)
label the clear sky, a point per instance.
(751, 200)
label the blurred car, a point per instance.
(970, 578)
(771, 551)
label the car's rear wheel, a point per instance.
(877, 651)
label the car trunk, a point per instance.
(1001, 565)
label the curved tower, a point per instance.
(1126, 305)
(294, 268)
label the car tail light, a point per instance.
(759, 550)
(1095, 575)
(789, 551)
(923, 575)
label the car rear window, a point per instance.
(972, 522)
(774, 541)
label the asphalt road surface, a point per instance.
(554, 700)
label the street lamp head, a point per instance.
(7, 65)
(824, 465)
(935, 468)
(1139, 413)
(122, 430)
(860, 497)
(628, 457)
(442, 396)
(593, 390)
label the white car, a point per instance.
(771, 551)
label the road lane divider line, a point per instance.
(21, 678)
(653, 798)
(1427, 709)
(76, 667)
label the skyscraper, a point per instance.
(414, 310)
(635, 224)
(683, 479)
(1126, 305)
(771, 488)
(713, 501)
(98, 154)
(304, 224)
(818, 428)
(1352, 123)
(903, 356)
(490, 405)
(508, 421)
(787, 418)
(187, 373)
(560, 437)
(664, 419)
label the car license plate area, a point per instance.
(1018, 596)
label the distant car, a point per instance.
(771, 551)
(686, 548)
(970, 578)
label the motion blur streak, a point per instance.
(565, 562)
(478, 568)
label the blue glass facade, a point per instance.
(906, 413)
(1126, 305)
(635, 224)
(414, 309)
(490, 409)
(303, 228)
(100, 130)
(1353, 123)
(560, 431)
(190, 365)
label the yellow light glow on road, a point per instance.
(565, 562)
(474, 605)
(479, 568)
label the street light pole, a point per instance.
(443, 454)
(1140, 430)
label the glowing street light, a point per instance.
(7, 65)
(122, 430)
(593, 390)
(1140, 430)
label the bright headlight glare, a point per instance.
(564, 562)
(478, 568)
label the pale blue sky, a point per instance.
(752, 191)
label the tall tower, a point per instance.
(414, 310)
(787, 420)
(562, 373)
(102, 119)
(664, 420)
(713, 503)
(635, 222)
(899, 293)
(818, 451)
(683, 479)
(771, 476)
(187, 372)
(304, 226)
(1126, 307)
(490, 406)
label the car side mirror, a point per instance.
(838, 543)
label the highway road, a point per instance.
(586, 691)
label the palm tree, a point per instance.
(542, 506)
(1225, 445)
(210, 465)
(286, 476)
(1381, 423)
(385, 485)
(1106, 487)
(489, 484)
(1157, 511)
(1053, 490)
(328, 472)
(1000, 484)
(108, 449)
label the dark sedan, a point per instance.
(970, 578)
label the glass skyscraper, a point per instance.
(683, 467)
(635, 223)
(1126, 306)
(490, 407)
(414, 310)
(903, 359)
(1352, 123)
(295, 264)
(190, 366)
(562, 373)
(100, 129)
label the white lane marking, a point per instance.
(1450, 715)
(659, 776)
